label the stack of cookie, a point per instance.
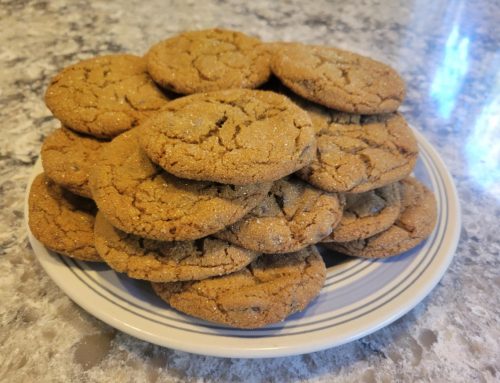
(218, 197)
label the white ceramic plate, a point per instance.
(359, 296)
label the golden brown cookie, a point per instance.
(160, 261)
(104, 96)
(208, 60)
(360, 153)
(366, 214)
(67, 158)
(338, 79)
(61, 220)
(238, 136)
(291, 217)
(416, 223)
(138, 197)
(267, 291)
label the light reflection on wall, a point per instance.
(450, 75)
(482, 148)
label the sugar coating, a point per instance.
(67, 158)
(291, 217)
(366, 214)
(237, 136)
(104, 96)
(268, 290)
(138, 197)
(338, 79)
(359, 153)
(161, 261)
(61, 220)
(416, 222)
(212, 59)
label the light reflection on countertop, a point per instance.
(449, 54)
(482, 146)
(450, 74)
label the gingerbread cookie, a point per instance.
(138, 197)
(291, 217)
(366, 214)
(61, 220)
(267, 291)
(360, 153)
(208, 60)
(160, 261)
(237, 136)
(67, 158)
(416, 223)
(338, 79)
(104, 96)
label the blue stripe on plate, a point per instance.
(354, 263)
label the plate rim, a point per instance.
(246, 350)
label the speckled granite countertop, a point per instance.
(447, 51)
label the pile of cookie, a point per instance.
(213, 165)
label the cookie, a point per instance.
(208, 60)
(360, 153)
(67, 158)
(160, 261)
(61, 220)
(416, 223)
(104, 96)
(138, 197)
(338, 79)
(238, 136)
(291, 217)
(366, 214)
(267, 291)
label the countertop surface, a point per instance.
(448, 53)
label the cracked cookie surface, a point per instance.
(291, 217)
(104, 96)
(359, 153)
(160, 261)
(338, 79)
(208, 60)
(415, 223)
(237, 136)
(67, 158)
(267, 291)
(138, 197)
(366, 214)
(61, 220)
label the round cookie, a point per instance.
(291, 217)
(416, 222)
(267, 291)
(104, 96)
(360, 153)
(367, 214)
(140, 198)
(160, 261)
(208, 60)
(67, 158)
(62, 221)
(237, 136)
(338, 79)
